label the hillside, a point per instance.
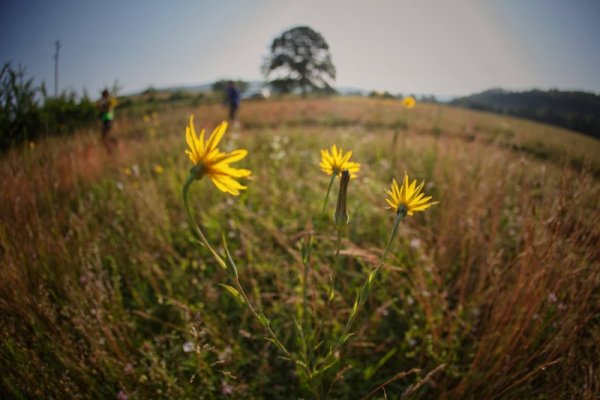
(579, 111)
(107, 290)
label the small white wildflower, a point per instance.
(226, 389)
(188, 346)
(129, 369)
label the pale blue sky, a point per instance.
(441, 47)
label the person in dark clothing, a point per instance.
(233, 100)
(106, 107)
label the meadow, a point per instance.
(493, 293)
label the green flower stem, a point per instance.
(305, 295)
(267, 325)
(338, 242)
(197, 230)
(399, 217)
(335, 267)
(328, 191)
(234, 276)
(361, 297)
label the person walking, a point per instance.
(106, 107)
(233, 100)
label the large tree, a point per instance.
(300, 59)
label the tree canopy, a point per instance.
(300, 59)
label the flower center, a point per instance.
(402, 209)
(198, 171)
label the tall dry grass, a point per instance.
(491, 294)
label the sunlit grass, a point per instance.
(103, 287)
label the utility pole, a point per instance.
(57, 43)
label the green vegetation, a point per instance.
(492, 293)
(578, 111)
(26, 111)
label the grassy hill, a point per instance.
(492, 293)
(579, 111)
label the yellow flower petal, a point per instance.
(336, 161)
(215, 137)
(213, 162)
(408, 198)
(233, 156)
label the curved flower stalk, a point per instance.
(404, 201)
(209, 160)
(340, 219)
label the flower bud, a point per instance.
(341, 217)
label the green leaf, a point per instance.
(230, 263)
(372, 369)
(346, 337)
(364, 292)
(263, 320)
(234, 292)
(354, 308)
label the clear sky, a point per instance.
(439, 47)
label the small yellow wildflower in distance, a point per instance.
(409, 102)
(209, 160)
(335, 162)
(408, 199)
(158, 169)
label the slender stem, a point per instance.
(352, 318)
(328, 191)
(203, 239)
(197, 230)
(335, 267)
(399, 218)
(305, 295)
(257, 316)
(339, 240)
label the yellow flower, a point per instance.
(408, 198)
(335, 162)
(127, 171)
(409, 102)
(158, 169)
(209, 160)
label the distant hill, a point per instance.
(258, 86)
(579, 111)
